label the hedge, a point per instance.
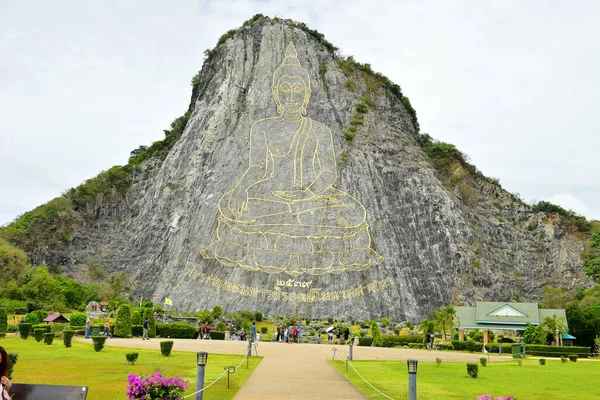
(176, 330)
(77, 320)
(39, 334)
(400, 340)
(46, 327)
(216, 335)
(123, 321)
(469, 345)
(68, 337)
(365, 341)
(137, 330)
(3, 319)
(555, 351)
(48, 338)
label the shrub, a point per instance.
(77, 320)
(376, 334)
(221, 326)
(542, 361)
(258, 316)
(151, 322)
(68, 338)
(136, 318)
(36, 317)
(39, 334)
(46, 327)
(400, 340)
(573, 357)
(473, 370)
(12, 360)
(416, 345)
(473, 346)
(176, 330)
(438, 361)
(24, 330)
(131, 357)
(166, 347)
(48, 338)
(264, 329)
(3, 319)
(98, 342)
(216, 335)
(483, 361)
(556, 351)
(563, 359)
(365, 341)
(330, 320)
(137, 330)
(123, 321)
(155, 386)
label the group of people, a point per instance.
(339, 333)
(204, 332)
(288, 334)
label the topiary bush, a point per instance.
(483, 361)
(68, 338)
(123, 321)
(77, 320)
(166, 347)
(136, 318)
(573, 357)
(221, 326)
(377, 341)
(12, 360)
(46, 327)
(176, 330)
(3, 320)
(48, 338)
(24, 330)
(131, 357)
(98, 342)
(365, 341)
(137, 330)
(473, 370)
(39, 334)
(264, 329)
(542, 361)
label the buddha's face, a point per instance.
(291, 93)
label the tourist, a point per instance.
(285, 335)
(346, 334)
(428, 340)
(253, 332)
(106, 327)
(298, 334)
(290, 333)
(207, 332)
(330, 336)
(295, 336)
(5, 384)
(278, 337)
(146, 326)
(88, 327)
(338, 334)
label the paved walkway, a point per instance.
(299, 371)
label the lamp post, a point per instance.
(412, 379)
(202, 358)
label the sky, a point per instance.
(513, 84)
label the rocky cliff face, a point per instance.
(441, 242)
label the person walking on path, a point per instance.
(253, 332)
(88, 327)
(346, 334)
(428, 340)
(106, 327)
(146, 326)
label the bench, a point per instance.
(25, 391)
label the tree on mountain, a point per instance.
(591, 258)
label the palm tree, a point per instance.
(553, 324)
(450, 312)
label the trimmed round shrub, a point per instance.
(68, 338)
(264, 329)
(98, 342)
(131, 357)
(24, 330)
(221, 327)
(48, 338)
(483, 361)
(166, 347)
(77, 320)
(573, 357)
(39, 334)
(123, 321)
(3, 320)
(36, 317)
(473, 370)
(542, 361)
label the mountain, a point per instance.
(297, 183)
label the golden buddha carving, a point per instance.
(284, 214)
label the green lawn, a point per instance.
(106, 372)
(531, 381)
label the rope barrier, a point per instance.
(227, 371)
(367, 382)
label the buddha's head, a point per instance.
(291, 84)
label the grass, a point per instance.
(106, 372)
(531, 381)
